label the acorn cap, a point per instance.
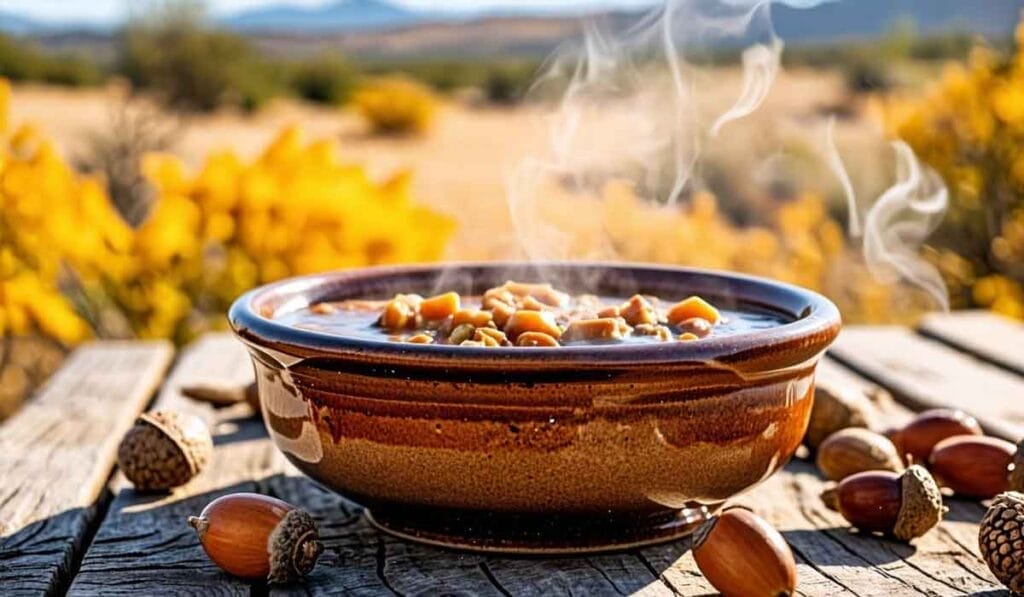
(164, 449)
(1016, 476)
(294, 547)
(921, 504)
(836, 406)
(1001, 540)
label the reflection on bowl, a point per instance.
(568, 449)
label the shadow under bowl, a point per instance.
(541, 450)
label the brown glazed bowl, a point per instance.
(537, 450)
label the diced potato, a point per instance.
(471, 343)
(413, 300)
(688, 337)
(397, 315)
(475, 317)
(532, 321)
(461, 333)
(501, 313)
(323, 308)
(498, 336)
(440, 306)
(606, 328)
(531, 304)
(691, 307)
(544, 293)
(537, 339)
(650, 329)
(485, 339)
(498, 296)
(421, 339)
(696, 326)
(638, 310)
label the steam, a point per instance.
(835, 163)
(899, 222)
(631, 107)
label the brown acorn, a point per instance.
(855, 450)
(221, 395)
(916, 439)
(258, 537)
(904, 505)
(164, 449)
(977, 466)
(739, 553)
(836, 406)
(1001, 540)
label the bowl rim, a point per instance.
(810, 333)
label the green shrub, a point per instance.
(326, 79)
(193, 68)
(22, 61)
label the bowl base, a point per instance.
(540, 534)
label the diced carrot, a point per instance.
(440, 306)
(396, 315)
(687, 337)
(475, 317)
(535, 339)
(691, 307)
(532, 321)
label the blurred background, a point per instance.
(159, 158)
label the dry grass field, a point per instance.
(462, 166)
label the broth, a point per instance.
(526, 315)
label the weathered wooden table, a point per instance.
(70, 523)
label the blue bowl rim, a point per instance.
(815, 324)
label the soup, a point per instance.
(527, 315)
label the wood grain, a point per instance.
(144, 547)
(987, 335)
(928, 374)
(57, 453)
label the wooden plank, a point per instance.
(57, 453)
(985, 334)
(927, 374)
(144, 546)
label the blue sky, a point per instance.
(107, 11)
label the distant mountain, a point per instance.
(345, 15)
(18, 25)
(851, 19)
(830, 20)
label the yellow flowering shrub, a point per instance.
(971, 129)
(70, 267)
(802, 244)
(396, 105)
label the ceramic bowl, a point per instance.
(568, 449)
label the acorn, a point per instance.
(977, 466)
(1001, 540)
(836, 406)
(916, 439)
(220, 395)
(855, 450)
(904, 505)
(739, 553)
(258, 537)
(164, 449)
